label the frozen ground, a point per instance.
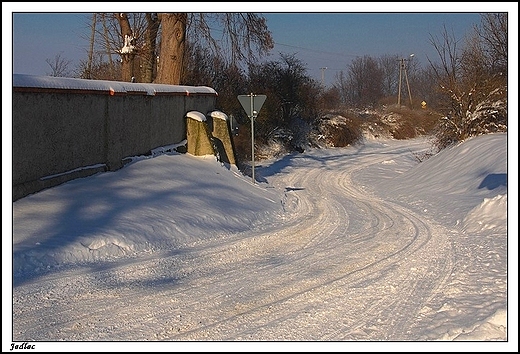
(357, 248)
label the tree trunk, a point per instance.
(173, 43)
(91, 48)
(127, 53)
(150, 60)
(107, 47)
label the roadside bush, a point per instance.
(473, 81)
(406, 123)
(488, 116)
(336, 130)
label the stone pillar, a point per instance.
(199, 142)
(222, 137)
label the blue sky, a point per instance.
(330, 35)
(332, 40)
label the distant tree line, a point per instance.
(467, 84)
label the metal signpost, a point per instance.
(252, 104)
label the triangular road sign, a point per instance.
(258, 102)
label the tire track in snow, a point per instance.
(345, 263)
(406, 291)
(418, 235)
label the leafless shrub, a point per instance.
(473, 82)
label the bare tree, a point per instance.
(390, 69)
(107, 47)
(493, 35)
(448, 73)
(342, 85)
(148, 52)
(152, 46)
(128, 50)
(100, 69)
(474, 87)
(233, 37)
(104, 43)
(365, 81)
(88, 73)
(59, 66)
(424, 88)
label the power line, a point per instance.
(343, 55)
(317, 51)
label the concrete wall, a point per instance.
(65, 132)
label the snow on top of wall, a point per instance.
(196, 115)
(50, 82)
(219, 115)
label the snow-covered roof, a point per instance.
(113, 87)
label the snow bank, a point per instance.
(466, 177)
(488, 215)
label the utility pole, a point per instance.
(323, 76)
(402, 67)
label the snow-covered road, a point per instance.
(340, 262)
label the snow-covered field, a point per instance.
(357, 248)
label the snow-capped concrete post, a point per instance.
(199, 142)
(222, 137)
